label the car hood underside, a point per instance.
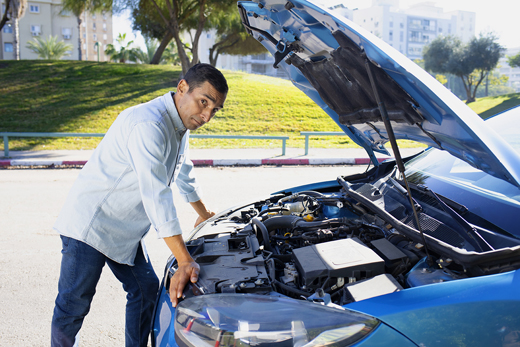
(330, 59)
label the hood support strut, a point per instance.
(397, 153)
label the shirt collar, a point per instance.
(172, 111)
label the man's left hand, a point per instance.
(201, 219)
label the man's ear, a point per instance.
(183, 87)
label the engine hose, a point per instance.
(272, 209)
(265, 234)
(291, 289)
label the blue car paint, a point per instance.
(487, 308)
(163, 329)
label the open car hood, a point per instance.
(327, 56)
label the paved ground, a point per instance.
(30, 201)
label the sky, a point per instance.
(497, 16)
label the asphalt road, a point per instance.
(30, 201)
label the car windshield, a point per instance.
(484, 195)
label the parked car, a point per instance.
(420, 251)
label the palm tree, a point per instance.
(146, 57)
(50, 49)
(170, 55)
(124, 53)
(78, 7)
(18, 8)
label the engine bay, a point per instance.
(327, 247)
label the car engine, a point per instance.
(322, 247)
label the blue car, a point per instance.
(417, 251)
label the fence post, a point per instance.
(307, 144)
(6, 145)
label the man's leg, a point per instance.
(141, 285)
(81, 267)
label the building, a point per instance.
(44, 18)
(512, 72)
(410, 30)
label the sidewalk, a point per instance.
(215, 157)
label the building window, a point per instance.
(414, 36)
(390, 35)
(105, 26)
(391, 24)
(93, 16)
(8, 28)
(84, 35)
(440, 30)
(8, 47)
(65, 13)
(104, 15)
(34, 8)
(95, 37)
(401, 36)
(67, 33)
(401, 25)
(36, 30)
(94, 26)
(104, 37)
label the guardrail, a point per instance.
(308, 134)
(6, 136)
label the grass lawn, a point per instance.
(86, 97)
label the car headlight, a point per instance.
(222, 320)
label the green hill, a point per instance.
(86, 97)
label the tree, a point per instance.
(471, 62)
(167, 19)
(5, 15)
(514, 61)
(125, 52)
(231, 36)
(78, 7)
(50, 49)
(17, 10)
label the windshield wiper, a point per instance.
(469, 230)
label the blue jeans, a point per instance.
(81, 267)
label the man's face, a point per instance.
(197, 107)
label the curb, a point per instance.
(208, 162)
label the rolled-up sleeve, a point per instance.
(186, 182)
(147, 152)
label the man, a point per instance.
(122, 191)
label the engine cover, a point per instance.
(342, 258)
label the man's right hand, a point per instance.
(187, 268)
(186, 271)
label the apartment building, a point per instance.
(44, 18)
(410, 30)
(512, 72)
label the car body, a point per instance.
(420, 251)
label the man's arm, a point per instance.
(187, 269)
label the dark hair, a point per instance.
(200, 73)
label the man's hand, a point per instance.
(202, 211)
(201, 219)
(187, 271)
(187, 268)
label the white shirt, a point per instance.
(125, 186)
